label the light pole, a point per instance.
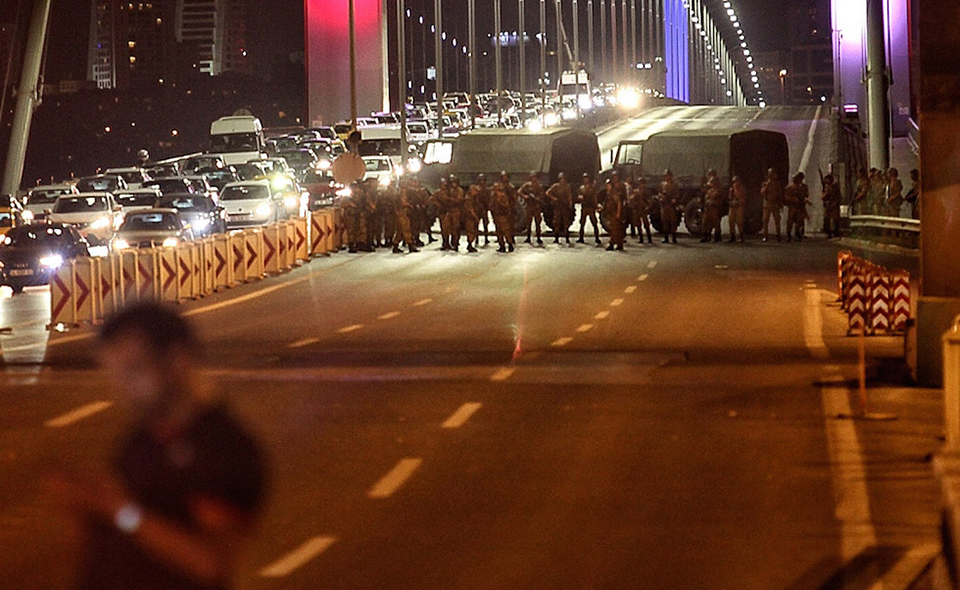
(783, 92)
(593, 65)
(438, 48)
(523, 65)
(543, 60)
(603, 40)
(472, 56)
(353, 66)
(498, 56)
(576, 53)
(402, 55)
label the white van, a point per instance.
(238, 139)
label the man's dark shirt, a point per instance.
(213, 459)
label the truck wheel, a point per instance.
(693, 216)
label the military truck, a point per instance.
(690, 154)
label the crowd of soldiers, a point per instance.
(881, 193)
(402, 214)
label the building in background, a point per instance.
(809, 70)
(133, 44)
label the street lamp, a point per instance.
(783, 93)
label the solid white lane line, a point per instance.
(813, 326)
(349, 329)
(423, 302)
(304, 342)
(503, 374)
(851, 497)
(460, 417)
(297, 558)
(77, 415)
(602, 315)
(616, 303)
(561, 342)
(653, 264)
(642, 278)
(392, 481)
(630, 289)
(584, 328)
(389, 316)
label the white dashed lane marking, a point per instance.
(77, 415)
(653, 264)
(392, 481)
(630, 289)
(616, 303)
(460, 417)
(297, 558)
(642, 278)
(423, 302)
(503, 374)
(389, 316)
(561, 342)
(602, 315)
(304, 342)
(584, 328)
(349, 329)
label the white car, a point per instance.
(381, 168)
(134, 176)
(40, 199)
(95, 215)
(138, 199)
(250, 203)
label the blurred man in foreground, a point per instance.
(187, 481)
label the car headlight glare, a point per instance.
(384, 181)
(170, 242)
(201, 223)
(52, 261)
(344, 192)
(120, 244)
(263, 210)
(324, 165)
(27, 216)
(290, 202)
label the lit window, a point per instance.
(133, 59)
(131, 44)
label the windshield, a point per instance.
(245, 193)
(30, 236)
(377, 164)
(159, 221)
(173, 185)
(47, 196)
(235, 142)
(137, 200)
(386, 147)
(97, 184)
(81, 205)
(327, 133)
(187, 203)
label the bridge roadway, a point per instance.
(556, 418)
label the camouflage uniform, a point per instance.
(712, 210)
(561, 196)
(587, 195)
(404, 213)
(640, 203)
(532, 194)
(470, 217)
(796, 197)
(669, 197)
(454, 214)
(738, 208)
(772, 193)
(614, 209)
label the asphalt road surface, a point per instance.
(562, 417)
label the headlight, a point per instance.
(101, 223)
(291, 201)
(414, 166)
(27, 216)
(384, 181)
(120, 244)
(201, 223)
(324, 165)
(344, 192)
(551, 120)
(53, 261)
(170, 242)
(263, 210)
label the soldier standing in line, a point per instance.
(455, 212)
(532, 194)
(738, 208)
(614, 212)
(404, 213)
(640, 203)
(441, 202)
(859, 205)
(875, 196)
(772, 193)
(387, 210)
(503, 217)
(587, 195)
(669, 201)
(420, 199)
(712, 209)
(469, 216)
(372, 193)
(796, 196)
(894, 197)
(482, 203)
(913, 195)
(351, 218)
(831, 207)
(561, 196)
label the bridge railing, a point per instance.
(897, 231)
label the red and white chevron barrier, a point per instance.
(876, 300)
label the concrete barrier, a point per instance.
(222, 263)
(207, 263)
(86, 279)
(318, 234)
(63, 302)
(129, 277)
(148, 284)
(254, 253)
(168, 276)
(290, 251)
(109, 290)
(331, 229)
(301, 230)
(272, 249)
(238, 251)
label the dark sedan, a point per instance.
(29, 254)
(203, 215)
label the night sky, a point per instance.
(277, 28)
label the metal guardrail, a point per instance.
(897, 231)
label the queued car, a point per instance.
(322, 188)
(137, 199)
(100, 183)
(294, 198)
(95, 215)
(173, 185)
(299, 159)
(380, 168)
(40, 200)
(220, 177)
(163, 170)
(252, 202)
(134, 176)
(152, 228)
(202, 162)
(204, 216)
(29, 254)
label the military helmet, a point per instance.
(481, 177)
(561, 175)
(667, 172)
(735, 179)
(798, 177)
